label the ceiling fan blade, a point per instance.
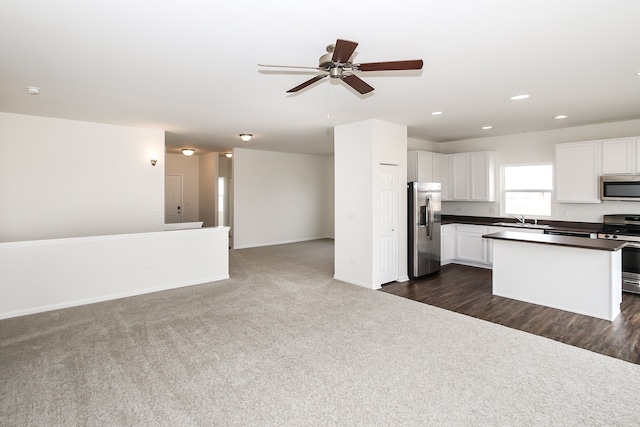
(289, 66)
(357, 83)
(307, 83)
(343, 51)
(412, 64)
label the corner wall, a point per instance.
(360, 148)
(280, 197)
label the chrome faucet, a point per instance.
(519, 218)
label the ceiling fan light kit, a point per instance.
(337, 62)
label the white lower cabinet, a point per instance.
(448, 244)
(470, 246)
(464, 244)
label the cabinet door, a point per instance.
(425, 166)
(438, 168)
(448, 243)
(459, 176)
(618, 156)
(481, 174)
(470, 246)
(577, 172)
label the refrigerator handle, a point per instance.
(423, 219)
(430, 217)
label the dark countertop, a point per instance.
(575, 242)
(591, 227)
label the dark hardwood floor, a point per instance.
(467, 290)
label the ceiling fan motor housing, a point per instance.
(335, 72)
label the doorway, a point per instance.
(389, 209)
(172, 199)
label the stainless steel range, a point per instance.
(625, 228)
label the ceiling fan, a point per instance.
(337, 64)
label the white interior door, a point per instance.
(172, 199)
(389, 200)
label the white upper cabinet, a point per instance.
(471, 176)
(424, 166)
(439, 169)
(458, 176)
(481, 175)
(619, 156)
(577, 172)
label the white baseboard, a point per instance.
(103, 298)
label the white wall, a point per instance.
(280, 197)
(225, 170)
(64, 178)
(423, 145)
(57, 273)
(208, 189)
(538, 147)
(188, 168)
(359, 150)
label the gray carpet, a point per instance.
(281, 343)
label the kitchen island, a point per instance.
(575, 274)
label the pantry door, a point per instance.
(389, 200)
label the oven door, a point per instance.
(631, 268)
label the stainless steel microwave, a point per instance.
(620, 187)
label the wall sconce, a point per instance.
(245, 137)
(153, 162)
(188, 151)
(228, 155)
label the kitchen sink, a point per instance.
(521, 225)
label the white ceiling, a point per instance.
(190, 66)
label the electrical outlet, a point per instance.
(492, 210)
(458, 209)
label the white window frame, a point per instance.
(503, 190)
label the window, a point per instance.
(527, 189)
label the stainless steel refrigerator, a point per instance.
(424, 227)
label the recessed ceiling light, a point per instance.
(33, 90)
(437, 113)
(519, 97)
(487, 127)
(561, 116)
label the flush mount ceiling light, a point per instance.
(487, 127)
(437, 113)
(228, 155)
(188, 151)
(561, 116)
(245, 137)
(519, 97)
(32, 90)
